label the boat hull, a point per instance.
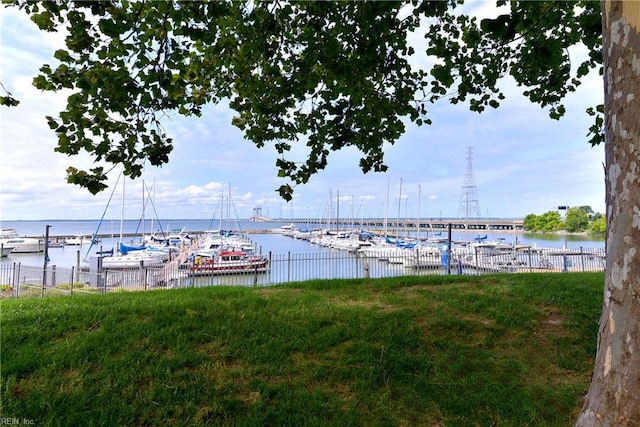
(6, 250)
(133, 260)
(232, 267)
(227, 269)
(24, 245)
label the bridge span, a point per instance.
(426, 224)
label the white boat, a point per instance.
(210, 247)
(56, 244)
(427, 249)
(423, 260)
(302, 234)
(348, 244)
(379, 250)
(137, 256)
(177, 237)
(134, 259)
(398, 255)
(9, 238)
(288, 230)
(77, 240)
(6, 250)
(424, 256)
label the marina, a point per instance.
(279, 252)
(264, 234)
(394, 227)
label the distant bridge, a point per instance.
(393, 225)
(426, 224)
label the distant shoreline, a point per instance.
(569, 233)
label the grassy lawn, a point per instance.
(505, 350)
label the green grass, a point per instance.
(507, 350)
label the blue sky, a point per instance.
(523, 163)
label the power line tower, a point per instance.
(469, 206)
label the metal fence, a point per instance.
(18, 280)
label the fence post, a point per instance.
(77, 277)
(44, 280)
(72, 276)
(17, 279)
(449, 250)
(582, 260)
(255, 275)
(15, 283)
(142, 276)
(46, 258)
(288, 266)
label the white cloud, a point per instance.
(524, 162)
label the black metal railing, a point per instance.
(17, 280)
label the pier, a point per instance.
(374, 224)
(423, 224)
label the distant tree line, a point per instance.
(578, 219)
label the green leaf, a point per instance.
(62, 55)
(286, 192)
(9, 101)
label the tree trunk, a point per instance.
(614, 395)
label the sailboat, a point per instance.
(131, 256)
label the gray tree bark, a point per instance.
(614, 395)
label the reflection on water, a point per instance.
(579, 238)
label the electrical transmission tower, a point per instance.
(469, 206)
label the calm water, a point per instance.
(67, 256)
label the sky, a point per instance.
(523, 162)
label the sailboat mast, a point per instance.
(221, 210)
(228, 207)
(352, 223)
(399, 207)
(144, 209)
(153, 197)
(418, 224)
(122, 208)
(338, 211)
(330, 213)
(386, 211)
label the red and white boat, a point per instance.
(226, 262)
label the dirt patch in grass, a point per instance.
(373, 304)
(278, 291)
(439, 286)
(551, 325)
